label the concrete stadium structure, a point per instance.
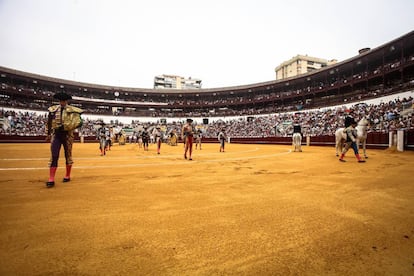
(382, 71)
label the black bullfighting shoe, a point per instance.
(50, 184)
(66, 179)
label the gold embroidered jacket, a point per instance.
(67, 118)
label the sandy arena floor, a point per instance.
(253, 210)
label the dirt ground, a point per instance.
(252, 210)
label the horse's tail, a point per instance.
(297, 141)
(339, 139)
(297, 138)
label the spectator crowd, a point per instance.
(384, 117)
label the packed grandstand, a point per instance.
(377, 84)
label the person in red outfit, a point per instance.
(188, 136)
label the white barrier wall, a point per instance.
(400, 140)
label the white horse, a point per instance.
(340, 136)
(297, 141)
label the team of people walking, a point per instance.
(63, 119)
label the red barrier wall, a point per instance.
(374, 140)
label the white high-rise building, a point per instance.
(176, 82)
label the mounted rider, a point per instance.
(297, 135)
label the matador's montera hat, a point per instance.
(62, 96)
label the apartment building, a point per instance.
(301, 64)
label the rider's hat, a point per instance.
(349, 121)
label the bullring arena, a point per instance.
(259, 208)
(252, 210)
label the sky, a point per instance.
(224, 43)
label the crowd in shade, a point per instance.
(384, 117)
